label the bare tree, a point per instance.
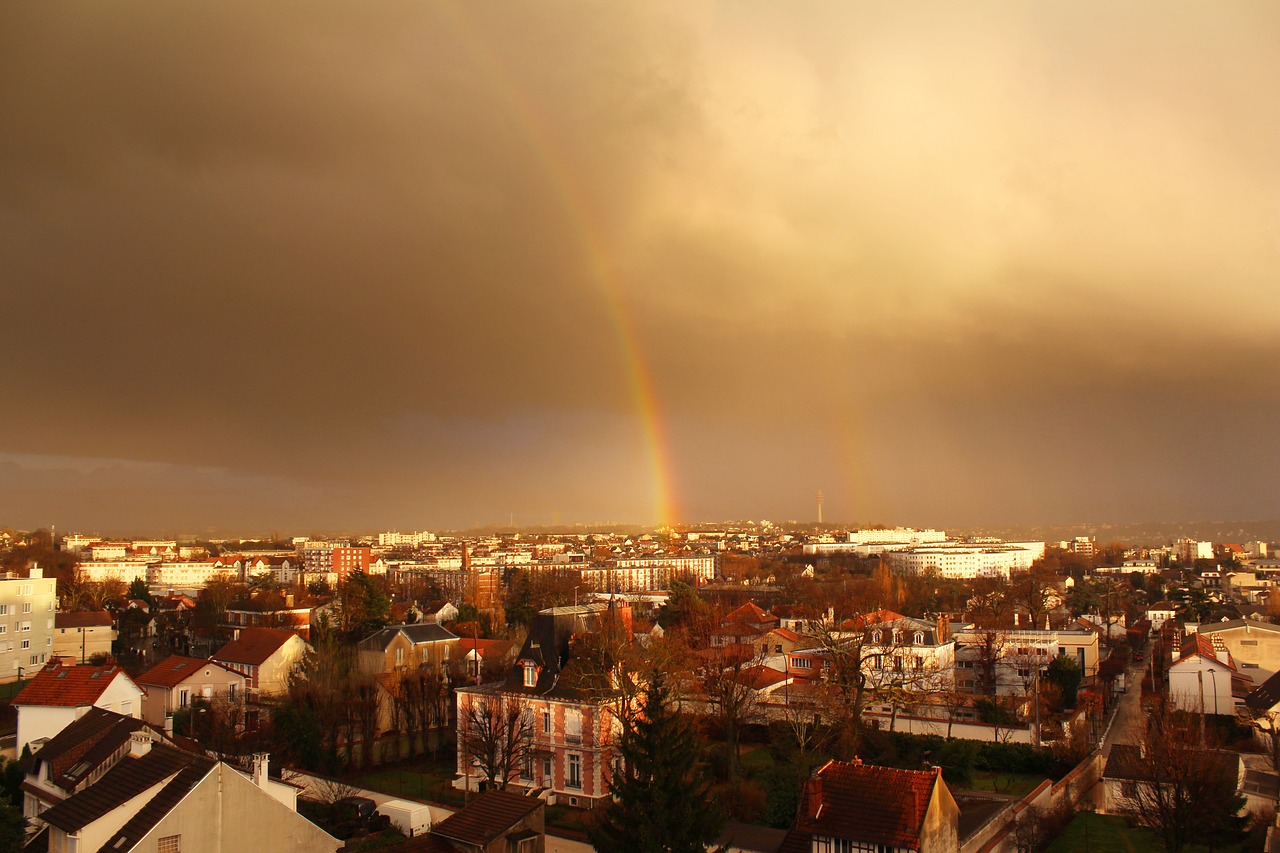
(726, 680)
(498, 734)
(1174, 784)
(1264, 720)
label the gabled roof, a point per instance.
(62, 686)
(760, 677)
(122, 783)
(1251, 624)
(158, 806)
(417, 634)
(254, 645)
(487, 818)
(176, 669)
(1202, 645)
(877, 617)
(749, 612)
(84, 745)
(92, 619)
(486, 648)
(868, 804)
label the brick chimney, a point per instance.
(944, 628)
(814, 802)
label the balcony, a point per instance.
(573, 740)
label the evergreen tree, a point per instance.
(660, 793)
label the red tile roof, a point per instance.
(254, 645)
(1200, 644)
(487, 648)
(749, 612)
(868, 804)
(857, 623)
(175, 669)
(70, 686)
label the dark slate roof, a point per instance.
(1265, 696)
(1127, 762)
(487, 818)
(92, 619)
(158, 806)
(85, 744)
(868, 804)
(419, 633)
(120, 784)
(548, 646)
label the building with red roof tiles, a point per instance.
(1204, 678)
(856, 806)
(265, 657)
(59, 694)
(177, 681)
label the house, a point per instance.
(60, 694)
(439, 611)
(574, 727)
(174, 683)
(82, 636)
(77, 757)
(400, 647)
(1161, 612)
(265, 657)
(160, 799)
(1127, 771)
(781, 641)
(1204, 678)
(1254, 645)
(854, 806)
(480, 658)
(743, 626)
(496, 822)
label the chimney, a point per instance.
(36, 571)
(1016, 616)
(944, 628)
(815, 797)
(139, 743)
(260, 762)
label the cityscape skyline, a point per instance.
(441, 265)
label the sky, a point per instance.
(318, 266)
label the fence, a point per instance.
(996, 835)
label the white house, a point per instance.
(1204, 679)
(60, 694)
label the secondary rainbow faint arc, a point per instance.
(561, 181)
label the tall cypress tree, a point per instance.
(660, 792)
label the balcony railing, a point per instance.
(573, 740)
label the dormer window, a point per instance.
(876, 637)
(919, 638)
(530, 673)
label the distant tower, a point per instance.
(821, 500)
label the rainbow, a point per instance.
(607, 279)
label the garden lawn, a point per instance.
(427, 783)
(1112, 834)
(999, 782)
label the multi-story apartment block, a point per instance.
(27, 610)
(122, 570)
(641, 574)
(405, 540)
(980, 559)
(574, 729)
(187, 574)
(869, 542)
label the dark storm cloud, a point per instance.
(948, 265)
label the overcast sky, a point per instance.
(307, 266)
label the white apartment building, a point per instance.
(404, 540)
(77, 544)
(27, 607)
(986, 559)
(109, 550)
(866, 543)
(642, 574)
(191, 574)
(124, 570)
(1187, 550)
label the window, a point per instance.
(169, 844)
(876, 637)
(26, 607)
(26, 644)
(25, 626)
(530, 674)
(184, 698)
(546, 771)
(919, 638)
(777, 650)
(399, 657)
(4, 609)
(231, 692)
(546, 722)
(575, 771)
